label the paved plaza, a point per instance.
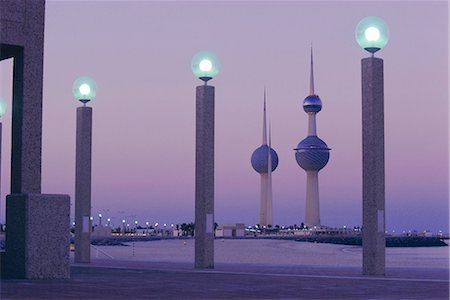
(125, 279)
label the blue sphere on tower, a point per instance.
(260, 159)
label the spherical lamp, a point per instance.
(3, 107)
(372, 34)
(84, 89)
(205, 65)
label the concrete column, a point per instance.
(37, 236)
(204, 178)
(83, 185)
(263, 209)
(22, 37)
(312, 214)
(373, 167)
(1, 136)
(37, 225)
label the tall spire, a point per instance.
(264, 137)
(269, 204)
(311, 78)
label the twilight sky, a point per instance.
(139, 53)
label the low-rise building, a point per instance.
(231, 230)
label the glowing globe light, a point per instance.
(205, 65)
(3, 107)
(84, 89)
(372, 34)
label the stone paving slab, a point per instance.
(164, 280)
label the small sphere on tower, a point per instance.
(312, 104)
(260, 159)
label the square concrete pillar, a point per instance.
(374, 242)
(22, 38)
(37, 236)
(83, 173)
(37, 225)
(204, 178)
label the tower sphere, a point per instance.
(312, 154)
(260, 159)
(312, 103)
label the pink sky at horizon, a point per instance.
(144, 114)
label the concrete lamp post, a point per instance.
(84, 90)
(372, 34)
(3, 107)
(205, 66)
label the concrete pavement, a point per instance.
(114, 279)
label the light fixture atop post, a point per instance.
(205, 65)
(84, 89)
(3, 106)
(372, 34)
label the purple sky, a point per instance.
(144, 114)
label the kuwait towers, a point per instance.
(312, 155)
(265, 160)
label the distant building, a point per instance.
(321, 230)
(231, 230)
(102, 231)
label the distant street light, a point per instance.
(3, 107)
(84, 90)
(372, 34)
(205, 66)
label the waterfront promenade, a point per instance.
(244, 269)
(151, 280)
